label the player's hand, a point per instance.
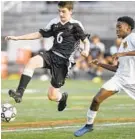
(11, 38)
(85, 53)
(95, 61)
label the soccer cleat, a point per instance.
(62, 103)
(83, 130)
(16, 95)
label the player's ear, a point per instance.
(129, 28)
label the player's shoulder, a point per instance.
(131, 36)
(76, 22)
(55, 20)
(131, 39)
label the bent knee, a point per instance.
(97, 100)
(52, 97)
(52, 94)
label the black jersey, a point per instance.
(65, 35)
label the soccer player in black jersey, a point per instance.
(66, 32)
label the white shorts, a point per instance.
(116, 84)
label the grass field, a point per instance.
(38, 118)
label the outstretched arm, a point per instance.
(31, 36)
(131, 53)
(117, 55)
(105, 66)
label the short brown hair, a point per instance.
(66, 4)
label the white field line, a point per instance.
(64, 127)
(27, 90)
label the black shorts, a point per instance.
(58, 67)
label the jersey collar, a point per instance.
(65, 22)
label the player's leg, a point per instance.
(108, 89)
(92, 111)
(34, 62)
(54, 94)
(58, 80)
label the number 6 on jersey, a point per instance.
(59, 37)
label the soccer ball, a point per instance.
(8, 112)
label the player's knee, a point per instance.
(96, 101)
(51, 97)
(52, 94)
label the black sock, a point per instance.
(23, 83)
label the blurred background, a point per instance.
(98, 17)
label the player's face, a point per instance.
(65, 14)
(122, 29)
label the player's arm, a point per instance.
(131, 53)
(105, 66)
(84, 38)
(31, 36)
(47, 32)
(117, 55)
(86, 50)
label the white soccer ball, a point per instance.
(8, 112)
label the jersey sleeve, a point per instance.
(80, 24)
(79, 32)
(47, 31)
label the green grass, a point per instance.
(124, 132)
(37, 108)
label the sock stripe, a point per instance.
(28, 72)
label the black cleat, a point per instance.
(62, 103)
(16, 95)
